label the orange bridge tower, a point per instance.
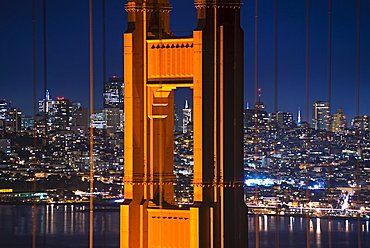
(210, 61)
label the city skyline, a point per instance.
(197, 186)
(217, 181)
(67, 51)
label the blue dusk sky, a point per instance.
(68, 50)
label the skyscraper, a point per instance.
(14, 120)
(63, 114)
(113, 93)
(320, 115)
(27, 123)
(46, 112)
(10, 117)
(299, 120)
(46, 106)
(186, 118)
(283, 119)
(339, 121)
(260, 106)
(361, 122)
(258, 115)
(114, 119)
(4, 108)
(99, 120)
(113, 104)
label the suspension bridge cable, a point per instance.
(256, 90)
(91, 70)
(104, 70)
(34, 210)
(307, 125)
(45, 47)
(45, 98)
(276, 32)
(104, 42)
(329, 131)
(357, 126)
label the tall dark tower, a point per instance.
(156, 63)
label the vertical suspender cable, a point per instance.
(45, 47)
(256, 53)
(104, 41)
(329, 52)
(276, 56)
(358, 58)
(357, 126)
(307, 127)
(256, 117)
(104, 62)
(276, 106)
(45, 66)
(329, 131)
(215, 98)
(34, 117)
(330, 124)
(45, 110)
(307, 46)
(91, 230)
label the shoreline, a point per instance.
(315, 216)
(115, 207)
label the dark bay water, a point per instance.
(323, 233)
(66, 226)
(57, 226)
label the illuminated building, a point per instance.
(27, 123)
(109, 119)
(260, 106)
(186, 118)
(99, 120)
(362, 122)
(40, 124)
(14, 120)
(299, 120)
(4, 108)
(283, 119)
(339, 121)
(63, 115)
(46, 106)
(156, 63)
(113, 104)
(113, 93)
(10, 117)
(114, 119)
(46, 114)
(251, 116)
(320, 115)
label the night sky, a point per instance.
(68, 50)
